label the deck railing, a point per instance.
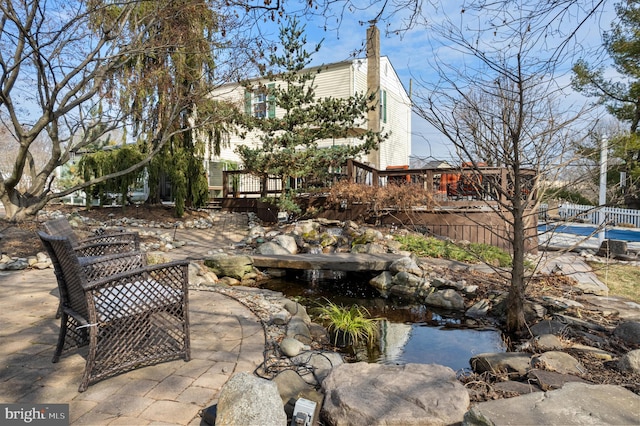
(445, 184)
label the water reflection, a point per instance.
(410, 333)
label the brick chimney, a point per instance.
(373, 86)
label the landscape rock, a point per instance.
(271, 247)
(382, 282)
(630, 362)
(320, 363)
(479, 309)
(560, 362)
(511, 363)
(629, 332)
(287, 242)
(247, 400)
(521, 388)
(407, 279)
(549, 380)
(376, 394)
(298, 329)
(405, 264)
(234, 266)
(595, 352)
(574, 404)
(297, 310)
(291, 347)
(547, 342)
(548, 327)
(446, 299)
(290, 384)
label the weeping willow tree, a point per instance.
(104, 162)
(164, 88)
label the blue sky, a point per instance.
(411, 54)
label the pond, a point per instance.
(409, 333)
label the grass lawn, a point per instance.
(622, 279)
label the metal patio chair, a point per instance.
(97, 245)
(130, 314)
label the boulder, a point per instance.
(550, 380)
(406, 264)
(249, 400)
(291, 347)
(548, 327)
(547, 342)
(574, 404)
(595, 352)
(446, 299)
(320, 363)
(230, 266)
(298, 329)
(512, 363)
(382, 282)
(297, 310)
(479, 309)
(376, 394)
(271, 247)
(407, 279)
(560, 362)
(629, 332)
(287, 242)
(630, 362)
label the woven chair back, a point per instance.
(68, 272)
(61, 228)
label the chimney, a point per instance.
(373, 86)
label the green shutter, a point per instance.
(383, 106)
(271, 101)
(247, 102)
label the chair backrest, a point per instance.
(68, 272)
(61, 228)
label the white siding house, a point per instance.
(337, 80)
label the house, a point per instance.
(338, 80)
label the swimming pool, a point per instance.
(622, 234)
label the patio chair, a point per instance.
(130, 314)
(98, 245)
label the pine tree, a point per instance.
(620, 97)
(289, 142)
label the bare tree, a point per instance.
(503, 110)
(58, 60)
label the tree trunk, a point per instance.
(516, 297)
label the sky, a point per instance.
(412, 52)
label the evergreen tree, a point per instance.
(621, 97)
(165, 89)
(288, 145)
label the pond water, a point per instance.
(409, 333)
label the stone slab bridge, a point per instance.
(347, 262)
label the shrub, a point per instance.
(353, 322)
(473, 252)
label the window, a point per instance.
(383, 106)
(259, 103)
(215, 174)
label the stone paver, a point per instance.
(225, 337)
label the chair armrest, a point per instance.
(97, 267)
(153, 288)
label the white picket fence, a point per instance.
(590, 214)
